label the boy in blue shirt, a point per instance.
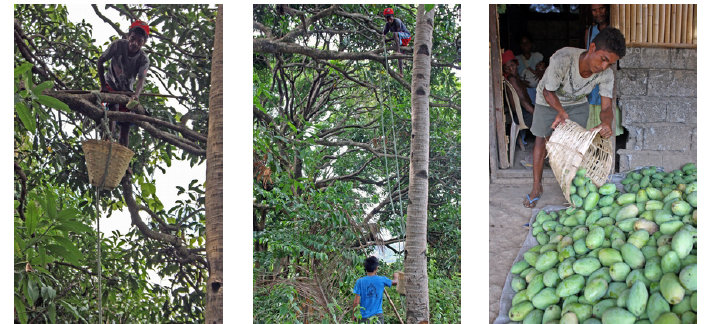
(369, 292)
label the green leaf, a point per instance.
(21, 310)
(52, 311)
(148, 188)
(26, 117)
(32, 290)
(48, 293)
(74, 226)
(51, 210)
(22, 68)
(72, 309)
(69, 246)
(53, 103)
(31, 217)
(42, 255)
(59, 250)
(42, 86)
(68, 214)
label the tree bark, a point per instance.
(417, 310)
(214, 183)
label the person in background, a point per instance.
(527, 61)
(511, 74)
(601, 19)
(369, 292)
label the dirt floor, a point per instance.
(507, 232)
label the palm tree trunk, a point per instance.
(417, 310)
(215, 183)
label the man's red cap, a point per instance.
(388, 11)
(509, 56)
(141, 24)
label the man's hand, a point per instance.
(605, 130)
(526, 84)
(560, 119)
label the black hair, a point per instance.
(371, 263)
(527, 35)
(139, 31)
(611, 39)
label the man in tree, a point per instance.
(369, 292)
(128, 61)
(401, 36)
(561, 94)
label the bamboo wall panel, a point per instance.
(657, 25)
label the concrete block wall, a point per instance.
(658, 91)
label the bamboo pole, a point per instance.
(673, 24)
(646, 22)
(655, 24)
(614, 17)
(662, 22)
(695, 23)
(661, 45)
(679, 23)
(689, 25)
(684, 22)
(649, 22)
(633, 23)
(667, 28)
(622, 20)
(627, 21)
(640, 24)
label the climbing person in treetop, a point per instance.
(401, 35)
(128, 62)
(562, 93)
(368, 292)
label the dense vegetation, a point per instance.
(331, 148)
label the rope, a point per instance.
(104, 123)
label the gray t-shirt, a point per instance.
(123, 68)
(563, 77)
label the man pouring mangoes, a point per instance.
(562, 93)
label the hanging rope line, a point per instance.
(106, 133)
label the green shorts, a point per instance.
(543, 117)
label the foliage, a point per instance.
(331, 142)
(54, 244)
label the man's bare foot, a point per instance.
(531, 199)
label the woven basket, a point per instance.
(97, 152)
(401, 286)
(572, 146)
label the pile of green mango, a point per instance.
(613, 257)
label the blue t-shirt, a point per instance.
(370, 289)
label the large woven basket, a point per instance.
(570, 147)
(97, 153)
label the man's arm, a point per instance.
(524, 98)
(554, 102)
(354, 309)
(605, 117)
(394, 282)
(101, 77)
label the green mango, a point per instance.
(689, 277)
(569, 300)
(627, 198)
(535, 286)
(570, 285)
(602, 306)
(670, 263)
(632, 256)
(519, 311)
(531, 257)
(627, 225)
(519, 266)
(519, 297)
(551, 278)
(668, 318)
(680, 208)
(534, 317)
(567, 251)
(661, 216)
(553, 312)
(672, 195)
(622, 299)
(682, 243)
(690, 259)
(546, 261)
(637, 300)
(545, 298)
(649, 251)
(689, 317)
(580, 247)
(590, 321)
(603, 273)
(671, 288)
(531, 274)
(607, 189)
(694, 301)
(609, 256)
(616, 315)
(654, 194)
(582, 311)
(616, 233)
(604, 221)
(606, 210)
(542, 238)
(656, 306)
(579, 181)
(565, 268)
(636, 275)
(653, 205)
(619, 271)
(569, 318)
(576, 200)
(652, 269)
(595, 238)
(615, 288)
(692, 198)
(639, 238)
(671, 227)
(663, 249)
(518, 283)
(580, 232)
(595, 289)
(654, 287)
(617, 244)
(683, 306)
(586, 266)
